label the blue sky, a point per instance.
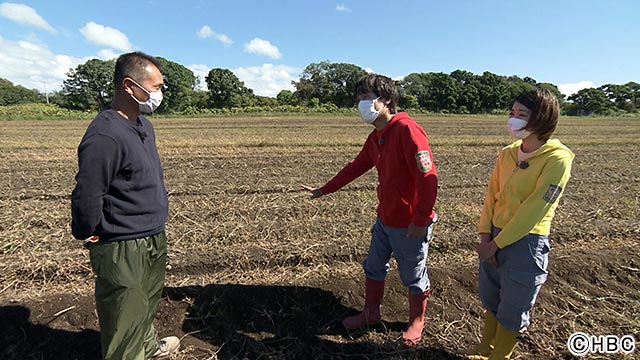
(267, 44)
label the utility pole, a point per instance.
(46, 94)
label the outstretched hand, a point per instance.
(315, 192)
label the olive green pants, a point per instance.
(129, 283)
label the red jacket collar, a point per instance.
(394, 120)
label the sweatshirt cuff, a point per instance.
(500, 242)
(327, 189)
(421, 220)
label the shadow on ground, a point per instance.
(285, 322)
(226, 321)
(21, 339)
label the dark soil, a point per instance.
(235, 321)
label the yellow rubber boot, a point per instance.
(504, 343)
(484, 348)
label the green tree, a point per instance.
(286, 97)
(180, 86)
(56, 98)
(433, 91)
(620, 96)
(200, 99)
(226, 90)
(408, 101)
(494, 94)
(588, 101)
(634, 87)
(417, 85)
(264, 101)
(16, 94)
(329, 83)
(517, 86)
(469, 91)
(89, 86)
(443, 93)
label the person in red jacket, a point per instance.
(407, 185)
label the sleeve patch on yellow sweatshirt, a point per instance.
(552, 194)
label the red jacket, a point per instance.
(407, 178)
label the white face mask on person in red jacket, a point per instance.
(367, 109)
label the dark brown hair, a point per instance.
(381, 86)
(544, 111)
(133, 65)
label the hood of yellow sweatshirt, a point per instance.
(552, 145)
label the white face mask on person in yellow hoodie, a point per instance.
(516, 128)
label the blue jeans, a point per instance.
(410, 253)
(510, 290)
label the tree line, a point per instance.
(89, 87)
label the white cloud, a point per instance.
(104, 35)
(570, 89)
(262, 47)
(28, 46)
(107, 54)
(264, 80)
(201, 71)
(268, 79)
(342, 8)
(207, 32)
(224, 39)
(34, 66)
(26, 15)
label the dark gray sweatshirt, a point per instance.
(120, 192)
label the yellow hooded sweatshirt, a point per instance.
(522, 199)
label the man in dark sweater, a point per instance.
(120, 206)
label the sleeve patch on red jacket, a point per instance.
(552, 194)
(424, 161)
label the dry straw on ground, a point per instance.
(257, 270)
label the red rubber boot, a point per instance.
(374, 291)
(417, 306)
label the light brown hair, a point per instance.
(545, 111)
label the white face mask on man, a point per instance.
(367, 109)
(152, 103)
(516, 128)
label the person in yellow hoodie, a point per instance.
(526, 183)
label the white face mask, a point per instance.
(152, 103)
(516, 128)
(367, 109)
